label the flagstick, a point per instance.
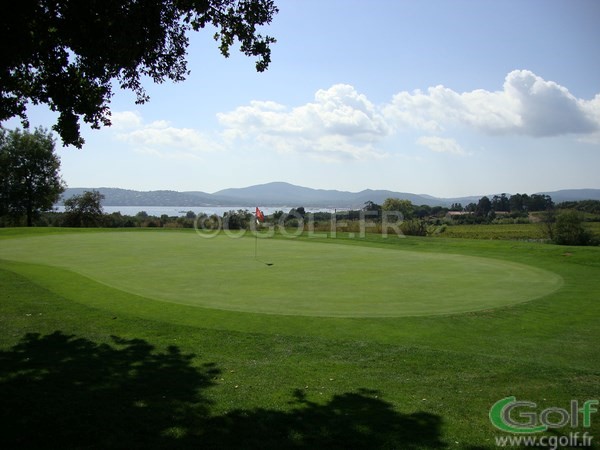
(262, 217)
(256, 244)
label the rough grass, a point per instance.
(524, 231)
(85, 365)
(505, 231)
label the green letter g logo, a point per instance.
(500, 417)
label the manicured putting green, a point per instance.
(305, 278)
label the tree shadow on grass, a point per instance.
(353, 420)
(61, 391)
(67, 392)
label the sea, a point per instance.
(178, 211)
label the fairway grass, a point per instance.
(302, 278)
(87, 363)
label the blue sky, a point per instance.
(443, 97)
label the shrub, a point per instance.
(414, 227)
(569, 230)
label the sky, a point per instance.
(439, 97)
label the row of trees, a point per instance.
(515, 204)
(586, 206)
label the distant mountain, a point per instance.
(573, 195)
(127, 197)
(280, 194)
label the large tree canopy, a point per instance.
(68, 53)
(30, 181)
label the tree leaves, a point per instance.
(29, 174)
(69, 54)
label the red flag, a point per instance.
(259, 215)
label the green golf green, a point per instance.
(287, 276)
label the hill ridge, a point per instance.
(279, 193)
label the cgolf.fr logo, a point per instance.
(515, 416)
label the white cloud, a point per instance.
(339, 124)
(548, 109)
(343, 124)
(160, 138)
(527, 105)
(125, 119)
(441, 145)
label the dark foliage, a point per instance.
(29, 175)
(588, 206)
(569, 230)
(84, 210)
(67, 54)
